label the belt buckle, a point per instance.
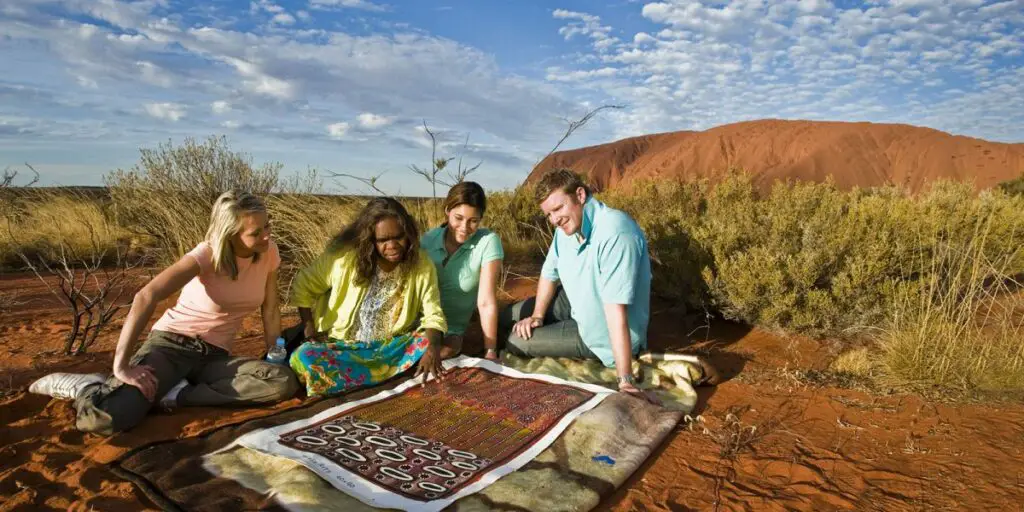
(203, 347)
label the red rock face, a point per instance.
(853, 154)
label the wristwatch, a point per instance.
(628, 379)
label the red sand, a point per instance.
(854, 154)
(815, 447)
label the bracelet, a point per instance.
(492, 350)
(627, 379)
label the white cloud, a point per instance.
(260, 82)
(153, 74)
(338, 130)
(220, 107)
(586, 25)
(167, 111)
(283, 19)
(710, 62)
(559, 75)
(643, 38)
(373, 121)
(351, 4)
(86, 67)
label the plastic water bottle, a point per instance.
(278, 353)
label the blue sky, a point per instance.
(344, 85)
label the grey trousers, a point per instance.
(558, 337)
(215, 379)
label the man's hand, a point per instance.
(430, 364)
(630, 389)
(142, 377)
(524, 328)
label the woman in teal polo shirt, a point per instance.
(468, 260)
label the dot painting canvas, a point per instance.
(422, 447)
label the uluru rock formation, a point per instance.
(854, 154)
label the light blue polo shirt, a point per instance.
(459, 278)
(610, 266)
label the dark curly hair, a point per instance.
(360, 235)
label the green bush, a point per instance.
(168, 195)
(1014, 187)
(808, 258)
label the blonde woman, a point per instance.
(187, 358)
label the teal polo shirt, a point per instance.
(459, 278)
(610, 266)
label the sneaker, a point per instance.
(65, 386)
(170, 400)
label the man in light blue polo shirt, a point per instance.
(599, 258)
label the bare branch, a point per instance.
(369, 182)
(580, 123)
(7, 180)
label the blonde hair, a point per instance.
(225, 223)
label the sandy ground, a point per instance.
(778, 435)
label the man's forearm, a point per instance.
(618, 332)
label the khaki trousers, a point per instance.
(215, 379)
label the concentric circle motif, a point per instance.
(463, 465)
(439, 471)
(396, 474)
(356, 456)
(427, 454)
(414, 440)
(315, 441)
(461, 454)
(333, 429)
(431, 486)
(372, 427)
(380, 441)
(347, 440)
(390, 455)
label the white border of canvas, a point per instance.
(265, 441)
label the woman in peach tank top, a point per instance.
(186, 360)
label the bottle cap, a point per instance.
(280, 341)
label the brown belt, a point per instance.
(193, 343)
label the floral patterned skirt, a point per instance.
(333, 367)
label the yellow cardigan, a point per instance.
(328, 287)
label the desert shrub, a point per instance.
(303, 224)
(963, 323)
(42, 222)
(85, 261)
(789, 260)
(1014, 187)
(168, 195)
(516, 216)
(811, 259)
